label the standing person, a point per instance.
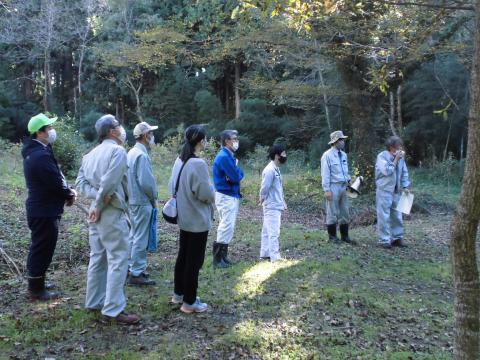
(227, 176)
(142, 199)
(335, 179)
(273, 202)
(190, 181)
(103, 179)
(48, 192)
(391, 178)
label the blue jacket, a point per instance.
(47, 188)
(226, 174)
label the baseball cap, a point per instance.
(38, 121)
(143, 128)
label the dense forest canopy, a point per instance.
(370, 68)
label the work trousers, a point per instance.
(337, 208)
(270, 234)
(389, 220)
(140, 217)
(227, 207)
(44, 236)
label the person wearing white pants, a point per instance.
(273, 202)
(227, 176)
(102, 179)
(391, 178)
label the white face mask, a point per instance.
(123, 135)
(52, 136)
(151, 140)
(235, 145)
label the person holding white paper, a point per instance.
(391, 179)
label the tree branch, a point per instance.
(435, 6)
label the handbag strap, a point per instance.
(178, 178)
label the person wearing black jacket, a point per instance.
(48, 192)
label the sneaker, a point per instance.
(265, 258)
(196, 307)
(177, 299)
(123, 318)
(141, 279)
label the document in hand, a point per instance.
(405, 203)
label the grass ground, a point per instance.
(324, 302)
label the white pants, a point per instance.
(107, 269)
(389, 221)
(270, 234)
(227, 207)
(141, 217)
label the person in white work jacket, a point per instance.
(102, 178)
(335, 179)
(391, 179)
(142, 199)
(273, 202)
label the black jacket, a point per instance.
(47, 187)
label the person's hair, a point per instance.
(43, 128)
(276, 149)
(193, 135)
(105, 124)
(227, 135)
(393, 141)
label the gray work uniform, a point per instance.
(335, 178)
(273, 202)
(142, 194)
(390, 180)
(103, 172)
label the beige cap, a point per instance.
(335, 136)
(143, 128)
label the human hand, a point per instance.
(328, 195)
(107, 199)
(154, 204)
(94, 216)
(400, 154)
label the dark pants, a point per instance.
(44, 239)
(189, 262)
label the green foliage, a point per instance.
(69, 146)
(87, 125)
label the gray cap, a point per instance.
(105, 123)
(143, 128)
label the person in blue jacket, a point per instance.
(48, 192)
(227, 176)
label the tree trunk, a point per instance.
(237, 89)
(46, 74)
(325, 99)
(399, 109)
(227, 93)
(391, 118)
(465, 226)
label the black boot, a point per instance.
(344, 235)
(218, 256)
(37, 291)
(225, 258)
(332, 233)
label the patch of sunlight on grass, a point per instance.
(250, 283)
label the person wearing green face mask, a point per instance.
(335, 179)
(48, 192)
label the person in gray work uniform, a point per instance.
(142, 199)
(335, 179)
(102, 178)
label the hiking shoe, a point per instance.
(349, 241)
(333, 239)
(177, 299)
(399, 243)
(141, 279)
(385, 245)
(196, 307)
(123, 319)
(267, 258)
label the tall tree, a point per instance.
(465, 226)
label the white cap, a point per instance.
(143, 128)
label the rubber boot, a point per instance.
(344, 235)
(332, 233)
(37, 291)
(225, 258)
(217, 256)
